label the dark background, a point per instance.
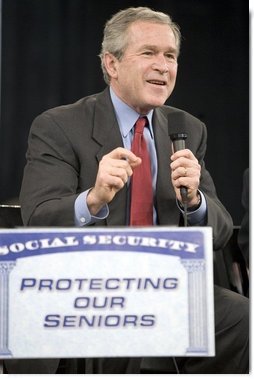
(50, 57)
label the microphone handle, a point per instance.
(184, 194)
(179, 144)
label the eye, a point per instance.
(148, 52)
(171, 57)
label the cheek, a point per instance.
(132, 80)
(173, 72)
(126, 75)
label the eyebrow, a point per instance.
(154, 47)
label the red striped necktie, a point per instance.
(141, 210)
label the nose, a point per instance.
(160, 64)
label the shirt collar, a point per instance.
(126, 116)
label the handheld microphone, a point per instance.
(176, 122)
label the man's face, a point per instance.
(145, 76)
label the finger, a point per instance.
(110, 183)
(191, 182)
(116, 182)
(182, 163)
(179, 172)
(125, 154)
(184, 153)
(121, 173)
(119, 167)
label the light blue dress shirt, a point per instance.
(126, 118)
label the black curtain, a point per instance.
(50, 57)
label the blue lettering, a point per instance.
(112, 320)
(95, 284)
(147, 320)
(130, 319)
(110, 286)
(45, 283)
(91, 322)
(117, 301)
(69, 321)
(27, 283)
(170, 283)
(63, 284)
(81, 302)
(52, 321)
(99, 302)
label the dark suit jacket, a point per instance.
(65, 146)
(243, 235)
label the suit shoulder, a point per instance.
(169, 110)
(73, 110)
(179, 120)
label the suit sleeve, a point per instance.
(217, 215)
(50, 179)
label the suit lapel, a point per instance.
(106, 131)
(107, 134)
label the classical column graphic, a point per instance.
(5, 269)
(198, 339)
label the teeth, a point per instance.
(157, 82)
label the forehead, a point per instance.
(148, 32)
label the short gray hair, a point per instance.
(115, 39)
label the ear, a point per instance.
(110, 63)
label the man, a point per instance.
(80, 167)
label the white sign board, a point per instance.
(97, 292)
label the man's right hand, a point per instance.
(114, 170)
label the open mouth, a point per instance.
(157, 82)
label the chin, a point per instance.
(157, 103)
(157, 100)
(151, 102)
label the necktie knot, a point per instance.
(140, 124)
